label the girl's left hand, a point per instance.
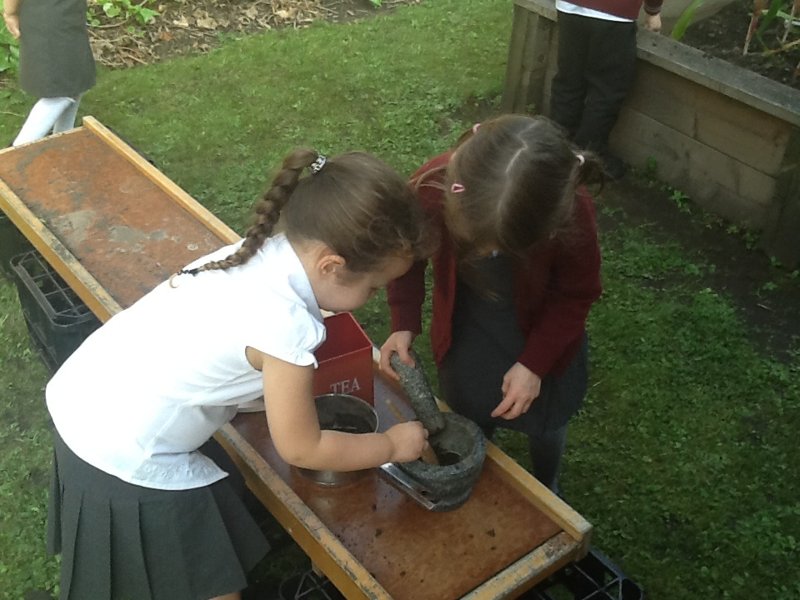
(12, 24)
(521, 387)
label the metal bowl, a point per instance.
(342, 412)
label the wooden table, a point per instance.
(114, 227)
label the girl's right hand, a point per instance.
(400, 342)
(408, 439)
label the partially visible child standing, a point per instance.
(55, 61)
(596, 69)
(136, 511)
(517, 269)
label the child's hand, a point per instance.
(408, 439)
(521, 387)
(12, 24)
(400, 342)
(652, 22)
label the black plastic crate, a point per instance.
(58, 321)
(308, 586)
(594, 577)
(12, 242)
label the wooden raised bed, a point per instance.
(727, 137)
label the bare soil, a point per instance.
(723, 36)
(195, 26)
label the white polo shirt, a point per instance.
(155, 382)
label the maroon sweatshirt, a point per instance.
(626, 9)
(553, 291)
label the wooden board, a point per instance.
(108, 221)
(410, 551)
(114, 227)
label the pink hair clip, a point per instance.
(476, 127)
(457, 188)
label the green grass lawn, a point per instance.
(684, 457)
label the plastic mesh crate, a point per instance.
(594, 577)
(308, 586)
(58, 321)
(12, 242)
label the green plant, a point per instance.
(680, 199)
(124, 10)
(9, 52)
(765, 14)
(685, 19)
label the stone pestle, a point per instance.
(416, 386)
(458, 444)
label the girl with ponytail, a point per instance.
(515, 274)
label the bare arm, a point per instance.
(294, 427)
(11, 16)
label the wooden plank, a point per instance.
(519, 31)
(88, 289)
(545, 8)
(548, 558)
(560, 512)
(123, 228)
(746, 134)
(664, 97)
(205, 216)
(495, 535)
(781, 239)
(712, 179)
(316, 540)
(529, 55)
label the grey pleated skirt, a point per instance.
(124, 542)
(487, 340)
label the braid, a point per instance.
(267, 212)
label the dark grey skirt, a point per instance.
(487, 340)
(55, 57)
(124, 542)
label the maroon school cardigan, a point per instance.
(553, 291)
(627, 9)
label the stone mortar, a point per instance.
(461, 448)
(458, 442)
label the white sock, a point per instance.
(66, 120)
(42, 118)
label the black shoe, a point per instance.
(614, 167)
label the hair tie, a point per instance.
(457, 188)
(475, 128)
(318, 163)
(581, 158)
(177, 274)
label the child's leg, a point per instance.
(42, 118)
(610, 72)
(546, 451)
(569, 86)
(66, 119)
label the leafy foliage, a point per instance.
(124, 10)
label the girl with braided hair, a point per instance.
(136, 510)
